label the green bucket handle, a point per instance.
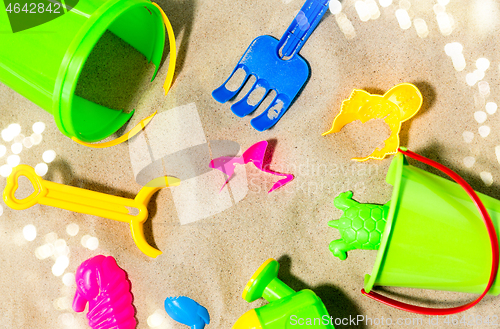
(491, 232)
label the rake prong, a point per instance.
(272, 114)
(244, 106)
(222, 94)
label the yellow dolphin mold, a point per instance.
(397, 105)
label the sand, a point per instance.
(211, 259)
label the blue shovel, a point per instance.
(277, 66)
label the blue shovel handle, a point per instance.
(301, 28)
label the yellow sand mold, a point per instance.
(397, 105)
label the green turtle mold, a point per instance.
(361, 226)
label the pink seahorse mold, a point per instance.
(104, 285)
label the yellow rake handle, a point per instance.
(85, 202)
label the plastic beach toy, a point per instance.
(186, 311)
(44, 62)
(277, 66)
(86, 202)
(286, 308)
(255, 154)
(396, 106)
(106, 289)
(361, 226)
(434, 237)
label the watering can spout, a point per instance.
(284, 306)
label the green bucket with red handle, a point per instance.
(435, 237)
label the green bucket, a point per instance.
(43, 63)
(434, 236)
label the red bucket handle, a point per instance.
(493, 239)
